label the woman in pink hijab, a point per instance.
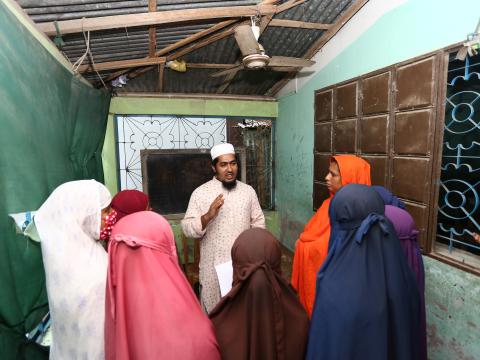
(151, 310)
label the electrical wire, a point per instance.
(88, 53)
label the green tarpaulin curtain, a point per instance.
(52, 128)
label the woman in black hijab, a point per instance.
(367, 302)
(261, 317)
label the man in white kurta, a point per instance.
(217, 214)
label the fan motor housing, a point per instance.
(256, 61)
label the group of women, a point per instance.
(134, 302)
(359, 272)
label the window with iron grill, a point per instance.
(458, 214)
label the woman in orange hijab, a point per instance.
(312, 246)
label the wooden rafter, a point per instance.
(161, 72)
(266, 21)
(215, 35)
(299, 24)
(122, 64)
(195, 96)
(203, 43)
(208, 66)
(198, 45)
(322, 40)
(152, 31)
(178, 44)
(195, 37)
(154, 18)
(289, 5)
(208, 40)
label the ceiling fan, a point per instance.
(254, 56)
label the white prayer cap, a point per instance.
(221, 149)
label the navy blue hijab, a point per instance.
(388, 197)
(367, 302)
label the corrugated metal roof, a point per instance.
(133, 43)
(253, 82)
(51, 10)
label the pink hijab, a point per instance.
(151, 310)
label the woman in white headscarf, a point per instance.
(69, 224)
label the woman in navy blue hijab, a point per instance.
(388, 197)
(367, 302)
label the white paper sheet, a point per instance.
(225, 277)
(22, 220)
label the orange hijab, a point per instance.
(312, 245)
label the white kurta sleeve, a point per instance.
(192, 222)
(257, 219)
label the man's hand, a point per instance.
(476, 237)
(212, 211)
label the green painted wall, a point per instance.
(51, 128)
(412, 29)
(174, 106)
(193, 106)
(109, 158)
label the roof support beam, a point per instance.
(194, 37)
(152, 31)
(208, 40)
(208, 66)
(299, 24)
(122, 64)
(289, 5)
(161, 72)
(179, 44)
(154, 18)
(198, 45)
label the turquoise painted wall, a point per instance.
(412, 29)
(453, 312)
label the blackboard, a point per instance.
(170, 176)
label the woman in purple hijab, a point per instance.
(407, 233)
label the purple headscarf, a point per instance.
(407, 233)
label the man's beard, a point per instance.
(230, 184)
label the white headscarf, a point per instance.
(68, 224)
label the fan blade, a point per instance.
(227, 71)
(284, 68)
(246, 40)
(462, 53)
(289, 61)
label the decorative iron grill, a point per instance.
(135, 133)
(458, 212)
